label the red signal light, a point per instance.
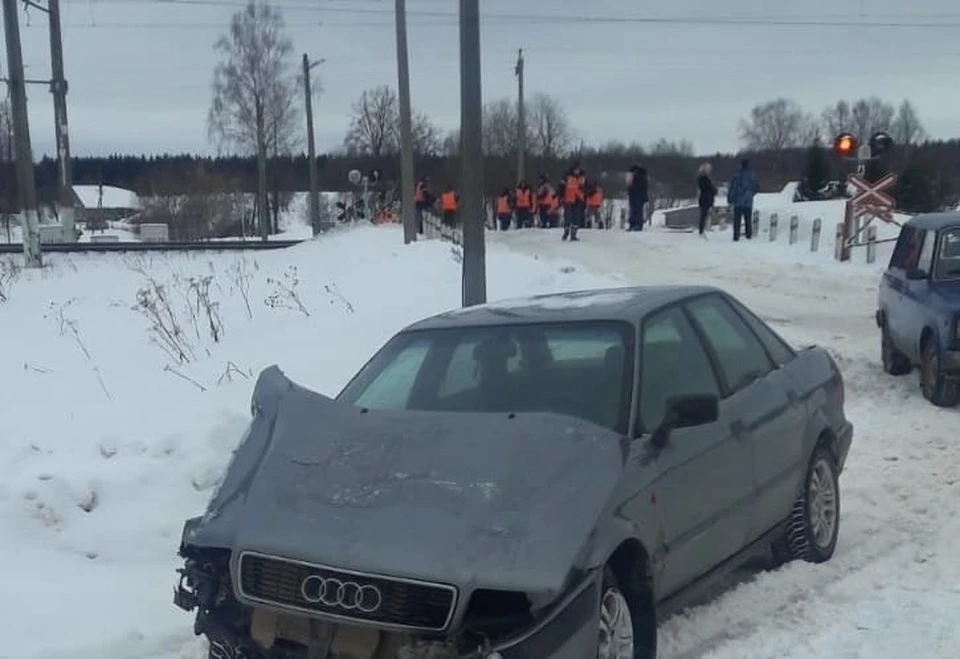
(845, 144)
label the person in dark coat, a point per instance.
(743, 186)
(708, 194)
(637, 196)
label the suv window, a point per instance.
(741, 355)
(779, 350)
(673, 362)
(948, 266)
(925, 260)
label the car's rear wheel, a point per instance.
(933, 383)
(615, 636)
(814, 523)
(894, 361)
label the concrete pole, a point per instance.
(29, 217)
(58, 86)
(406, 128)
(311, 148)
(521, 121)
(471, 157)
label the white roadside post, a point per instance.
(815, 235)
(774, 221)
(794, 228)
(871, 244)
(838, 242)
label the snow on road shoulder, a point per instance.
(108, 443)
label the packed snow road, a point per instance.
(893, 587)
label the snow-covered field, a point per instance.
(106, 445)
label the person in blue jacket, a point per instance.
(743, 186)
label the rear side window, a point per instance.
(741, 355)
(779, 350)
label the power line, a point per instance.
(841, 21)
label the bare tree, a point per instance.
(451, 144)
(254, 88)
(375, 126)
(549, 127)
(775, 125)
(907, 129)
(427, 140)
(8, 195)
(870, 115)
(837, 119)
(500, 119)
(664, 147)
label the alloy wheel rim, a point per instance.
(616, 627)
(823, 504)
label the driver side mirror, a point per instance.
(686, 412)
(914, 274)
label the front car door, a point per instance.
(905, 256)
(771, 417)
(916, 295)
(705, 486)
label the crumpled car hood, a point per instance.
(474, 500)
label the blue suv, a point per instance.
(919, 306)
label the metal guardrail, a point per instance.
(132, 246)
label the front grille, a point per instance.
(369, 598)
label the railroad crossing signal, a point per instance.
(845, 145)
(870, 199)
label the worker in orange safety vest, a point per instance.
(449, 201)
(505, 210)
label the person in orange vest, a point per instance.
(423, 199)
(523, 203)
(574, 199)
(545, 201)
(505, 210)
(594, 203)
(449, 201)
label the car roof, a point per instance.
(629, 304)
(935, 221)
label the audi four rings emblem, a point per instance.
(347, 595)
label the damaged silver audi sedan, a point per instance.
(536, 479)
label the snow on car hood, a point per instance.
(476, 500)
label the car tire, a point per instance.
(814, 523)
(935, 386)
(894, 361)
(620, 634)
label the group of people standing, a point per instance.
(576, 201)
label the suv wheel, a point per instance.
(894, 361)
(814, 523)
(935, 386)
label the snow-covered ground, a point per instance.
(106, 446)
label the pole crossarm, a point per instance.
(30, 4)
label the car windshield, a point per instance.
(580, 369)
(948, 265)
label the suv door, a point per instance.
(893, 288)
(704, 489)
(916, 295)
(769, 415)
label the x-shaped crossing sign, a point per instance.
(871, 194)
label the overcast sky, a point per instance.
(140, 70)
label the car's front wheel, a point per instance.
(615, 638)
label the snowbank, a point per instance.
(107, 445)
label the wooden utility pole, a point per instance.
(29, 218)
(311, 146)
(521, 120)
(406, 128)
(58, 86)
(471, 157)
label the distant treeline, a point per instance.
(935, 166)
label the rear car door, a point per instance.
(767, 413)
(704, 491)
